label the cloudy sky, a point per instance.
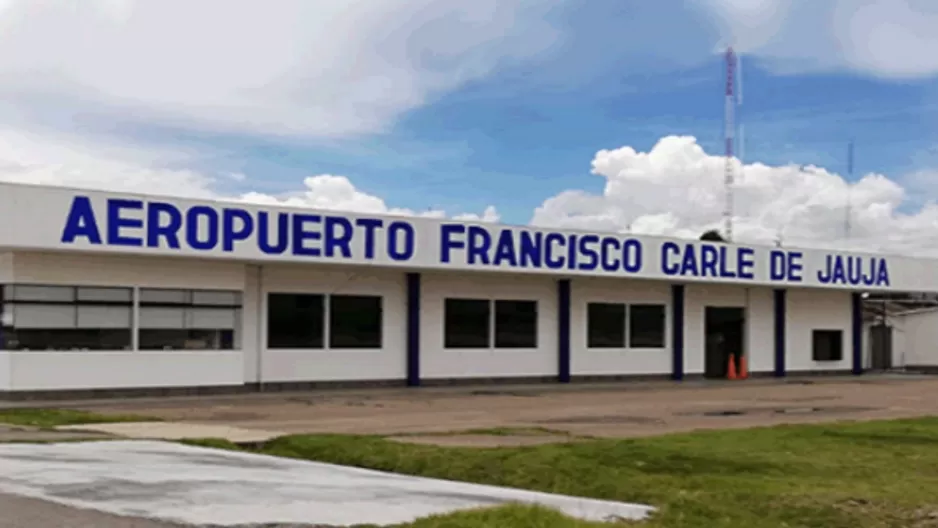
(581, 113)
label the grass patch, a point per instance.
(849, 475)
(50, 418)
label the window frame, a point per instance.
(624, 319)
(837, 351)
(323, 338)
(228, 337)
(330, 322)
(9, 300)
(494, 325)
(489, 323)
(630, 327)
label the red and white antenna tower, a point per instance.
(729, 129)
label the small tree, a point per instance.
(712, 236)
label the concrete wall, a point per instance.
(915, 339)
(438, 362)
(586, 361)
(807, 310)
(387, 363)
(812, 309)
(6, 276)
(40, 370)
(759, 329)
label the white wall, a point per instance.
(915, 339)
(437, 362)
(6, 276)
(586, 361)
(814, 309)
(386, 363)
(39, 370)
(759, 330)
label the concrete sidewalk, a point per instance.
(173, 431)
(199, 486)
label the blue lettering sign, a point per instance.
(522, 248)
(854, 271)
(162, 225)
(701, 259)
(135, 223)
(785, 266)
(81, 222)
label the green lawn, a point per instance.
(49, 418)
(878, 474)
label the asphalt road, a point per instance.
(21, 512)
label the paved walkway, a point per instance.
(610, 410)
(173, 431)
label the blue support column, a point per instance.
(413, 329)
(563, 330)
(780, 319)
(857, 302)
(677, 332)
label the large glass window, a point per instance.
(355, 321)
(42, 317)
(646, 326)
(605, 325)
(515, 324)
(466, 323)
(295, 320)
(827, 345)
(174, 319)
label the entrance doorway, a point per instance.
(881, 347)
(724, 333)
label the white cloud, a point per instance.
(337, 193)
(325, 68)
(887, 38)
(677, 189)
(63, 162)
(674, 189)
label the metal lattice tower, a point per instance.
(729, 126)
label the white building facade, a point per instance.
(123, 292)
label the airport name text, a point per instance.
(135, 223)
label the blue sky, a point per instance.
(445, 105)
(529, 130)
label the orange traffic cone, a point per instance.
(731, 368)
(743, 368)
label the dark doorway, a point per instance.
(724, 333)
(881, 347)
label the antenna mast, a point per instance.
(728, 135)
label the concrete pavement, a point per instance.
(200, 486)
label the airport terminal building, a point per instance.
(105, 291)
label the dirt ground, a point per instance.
(520, 415)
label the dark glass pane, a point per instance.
(515, 324)
(646, 326)
(605, 326)
(355, 321)
(295, 320)
(466, 323)
(827, 345)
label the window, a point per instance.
(646, 326)
(466, 323)
(828, 345)
(605, 325)
(295, 320)
(515, 324)
(41, 317)
(355, 321)
(174, 319)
